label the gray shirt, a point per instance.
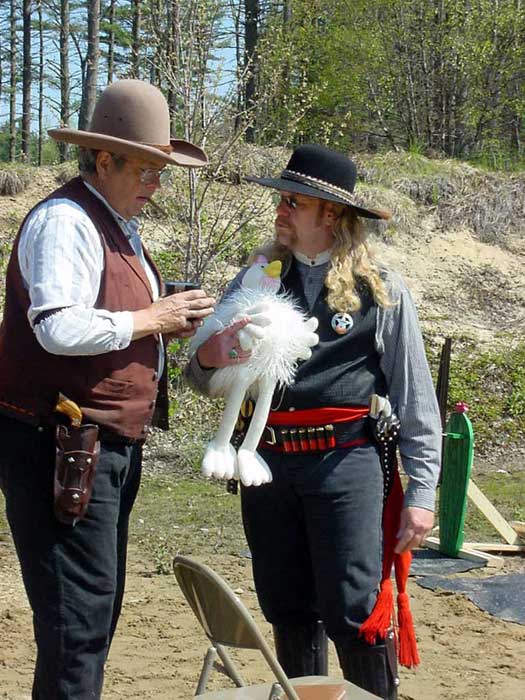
(399, 343)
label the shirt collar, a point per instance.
(130, 226)
(319, 259)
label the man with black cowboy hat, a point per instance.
(322, 544)
(81, 354)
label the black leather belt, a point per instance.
(104, 434)
(108, 436)
(318, 438)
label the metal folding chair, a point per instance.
(227, 623)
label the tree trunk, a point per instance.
(63, 148)
(40, 83)
(135, 39)
(287, 11)
(251, 25)
(26, 79)
(111, 41)
(89, 92)
(157, 19)
(172, 54)
(12, 80)
(239, 61)
(516, 120)
(1, 70)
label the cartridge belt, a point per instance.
(315, 438)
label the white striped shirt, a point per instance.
(61, 260)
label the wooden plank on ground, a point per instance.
(494, 547)
(469, 554)
(518, 526)
(492, 514)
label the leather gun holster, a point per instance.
(77, 452)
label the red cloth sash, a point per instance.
(317, 416)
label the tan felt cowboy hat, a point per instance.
(132, 118)
(317, 171)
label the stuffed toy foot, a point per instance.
(220, 461)
(252, 469)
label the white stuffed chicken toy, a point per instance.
(279, 335)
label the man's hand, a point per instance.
(223, 348)
(178, 315)
(415, 524)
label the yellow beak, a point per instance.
(273, 269)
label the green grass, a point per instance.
(189, 516)
(196, 517)
(391, 167)
(507, 493)
(497, 160)
(492, 384)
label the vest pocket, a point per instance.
(117, 388)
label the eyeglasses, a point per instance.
(150, 175)
(290, 202)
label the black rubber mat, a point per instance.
(429, 561)
(502, 596)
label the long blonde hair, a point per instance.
(352, 265)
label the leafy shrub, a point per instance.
(66, 171)
(492, 384)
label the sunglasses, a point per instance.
(290, 202)
(150, 175)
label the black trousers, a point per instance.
(74, 576)
(315, 537)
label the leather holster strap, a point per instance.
(77, 452)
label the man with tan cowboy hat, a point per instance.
(81, 355)
(325, 533)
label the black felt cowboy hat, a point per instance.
(131, 117)
(317, 171)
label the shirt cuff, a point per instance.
(417, 496)
(198, 376)
(123, 321)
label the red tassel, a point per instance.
(380, 619)
(407, 646)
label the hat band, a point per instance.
(318, 184)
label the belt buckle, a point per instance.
(273, 439)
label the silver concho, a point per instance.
(342, 323)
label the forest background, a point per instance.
(435, 76)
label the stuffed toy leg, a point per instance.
(220, 459)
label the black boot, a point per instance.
(373, 668)
(302, 650)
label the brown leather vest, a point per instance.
(115, 389)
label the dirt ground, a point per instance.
(461, 286)
(159, 648)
